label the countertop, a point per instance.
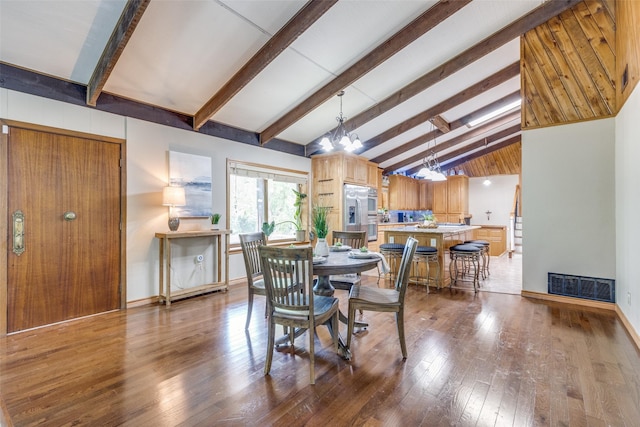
(440, 230)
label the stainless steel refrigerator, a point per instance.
(355, 207)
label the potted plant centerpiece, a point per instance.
(215, 219)
(321, 229)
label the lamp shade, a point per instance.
(173, 196)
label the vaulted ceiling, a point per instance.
(266, 72)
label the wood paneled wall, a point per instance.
(568, 66)
(627, 48)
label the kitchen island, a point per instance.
(441, 238)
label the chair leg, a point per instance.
(350, 324)
(312, 356)
(249, 308)
(335, 324)
(400, 322)
(270, 344)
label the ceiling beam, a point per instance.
(464, 95)
(129, 19)
(538, 16)
(441, 124)
(509, 132)
(476, 130)
(297, 25)
(417, 28)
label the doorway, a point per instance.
(64, 214)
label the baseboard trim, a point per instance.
(627, 325)
(608, 306)
(154, 299)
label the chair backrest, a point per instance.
(355, 239)
(249, 243)
(402, 279)
(284, 269)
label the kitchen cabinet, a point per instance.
(496, 235)
(374, 176)
(458, 194)
(439, 199)
(330, 172)
(404, 193)
(425, 197)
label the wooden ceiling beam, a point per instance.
(441, 124)
(397, 42)
(297, 25)
(538, 16)
(126, 25)
(466, 94)
(476, 130)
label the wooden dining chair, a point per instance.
(255, 281)
(383, 299)
(355, 239)
(295, 309)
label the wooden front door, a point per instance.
(68, 190)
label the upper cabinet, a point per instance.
(458, 194)
(404, 193)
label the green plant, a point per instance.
(297, 216)
(320, 221)
(268, 227)
(215, 218)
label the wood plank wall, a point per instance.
(627, 47)
(568, 66)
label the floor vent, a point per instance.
(582, 287)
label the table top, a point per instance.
(341, 263)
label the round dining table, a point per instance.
(341, 263)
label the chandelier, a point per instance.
(340, 138)
(430, 165)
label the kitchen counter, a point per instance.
(441, 238)
(442, 229)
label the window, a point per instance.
(260, 194)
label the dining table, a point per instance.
(338, 262)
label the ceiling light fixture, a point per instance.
(486, 181)
(495, 113)
(340, 137)
(431, 167)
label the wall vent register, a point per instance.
(582, 287)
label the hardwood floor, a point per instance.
(474, 359)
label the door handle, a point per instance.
(18, 232)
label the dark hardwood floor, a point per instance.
(474, 360)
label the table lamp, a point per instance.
(173, 196)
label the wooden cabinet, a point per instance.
(404, 193)
(425, 197)
(374, 176)
(440, 196)
(330, 173)
(458, 194)
(496, 235)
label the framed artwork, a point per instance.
(192, 172)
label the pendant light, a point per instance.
(340, 138)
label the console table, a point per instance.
(220, 240)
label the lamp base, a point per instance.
(174, 223)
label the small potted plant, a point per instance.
(215, 219)
(321, 229)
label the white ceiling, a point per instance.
(182, 52)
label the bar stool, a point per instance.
(393, 254)
(426, 255)
(486, 255)
(465, 258)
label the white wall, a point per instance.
(497, 198)
(568, 202)
(627, 209)
(147, 172)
